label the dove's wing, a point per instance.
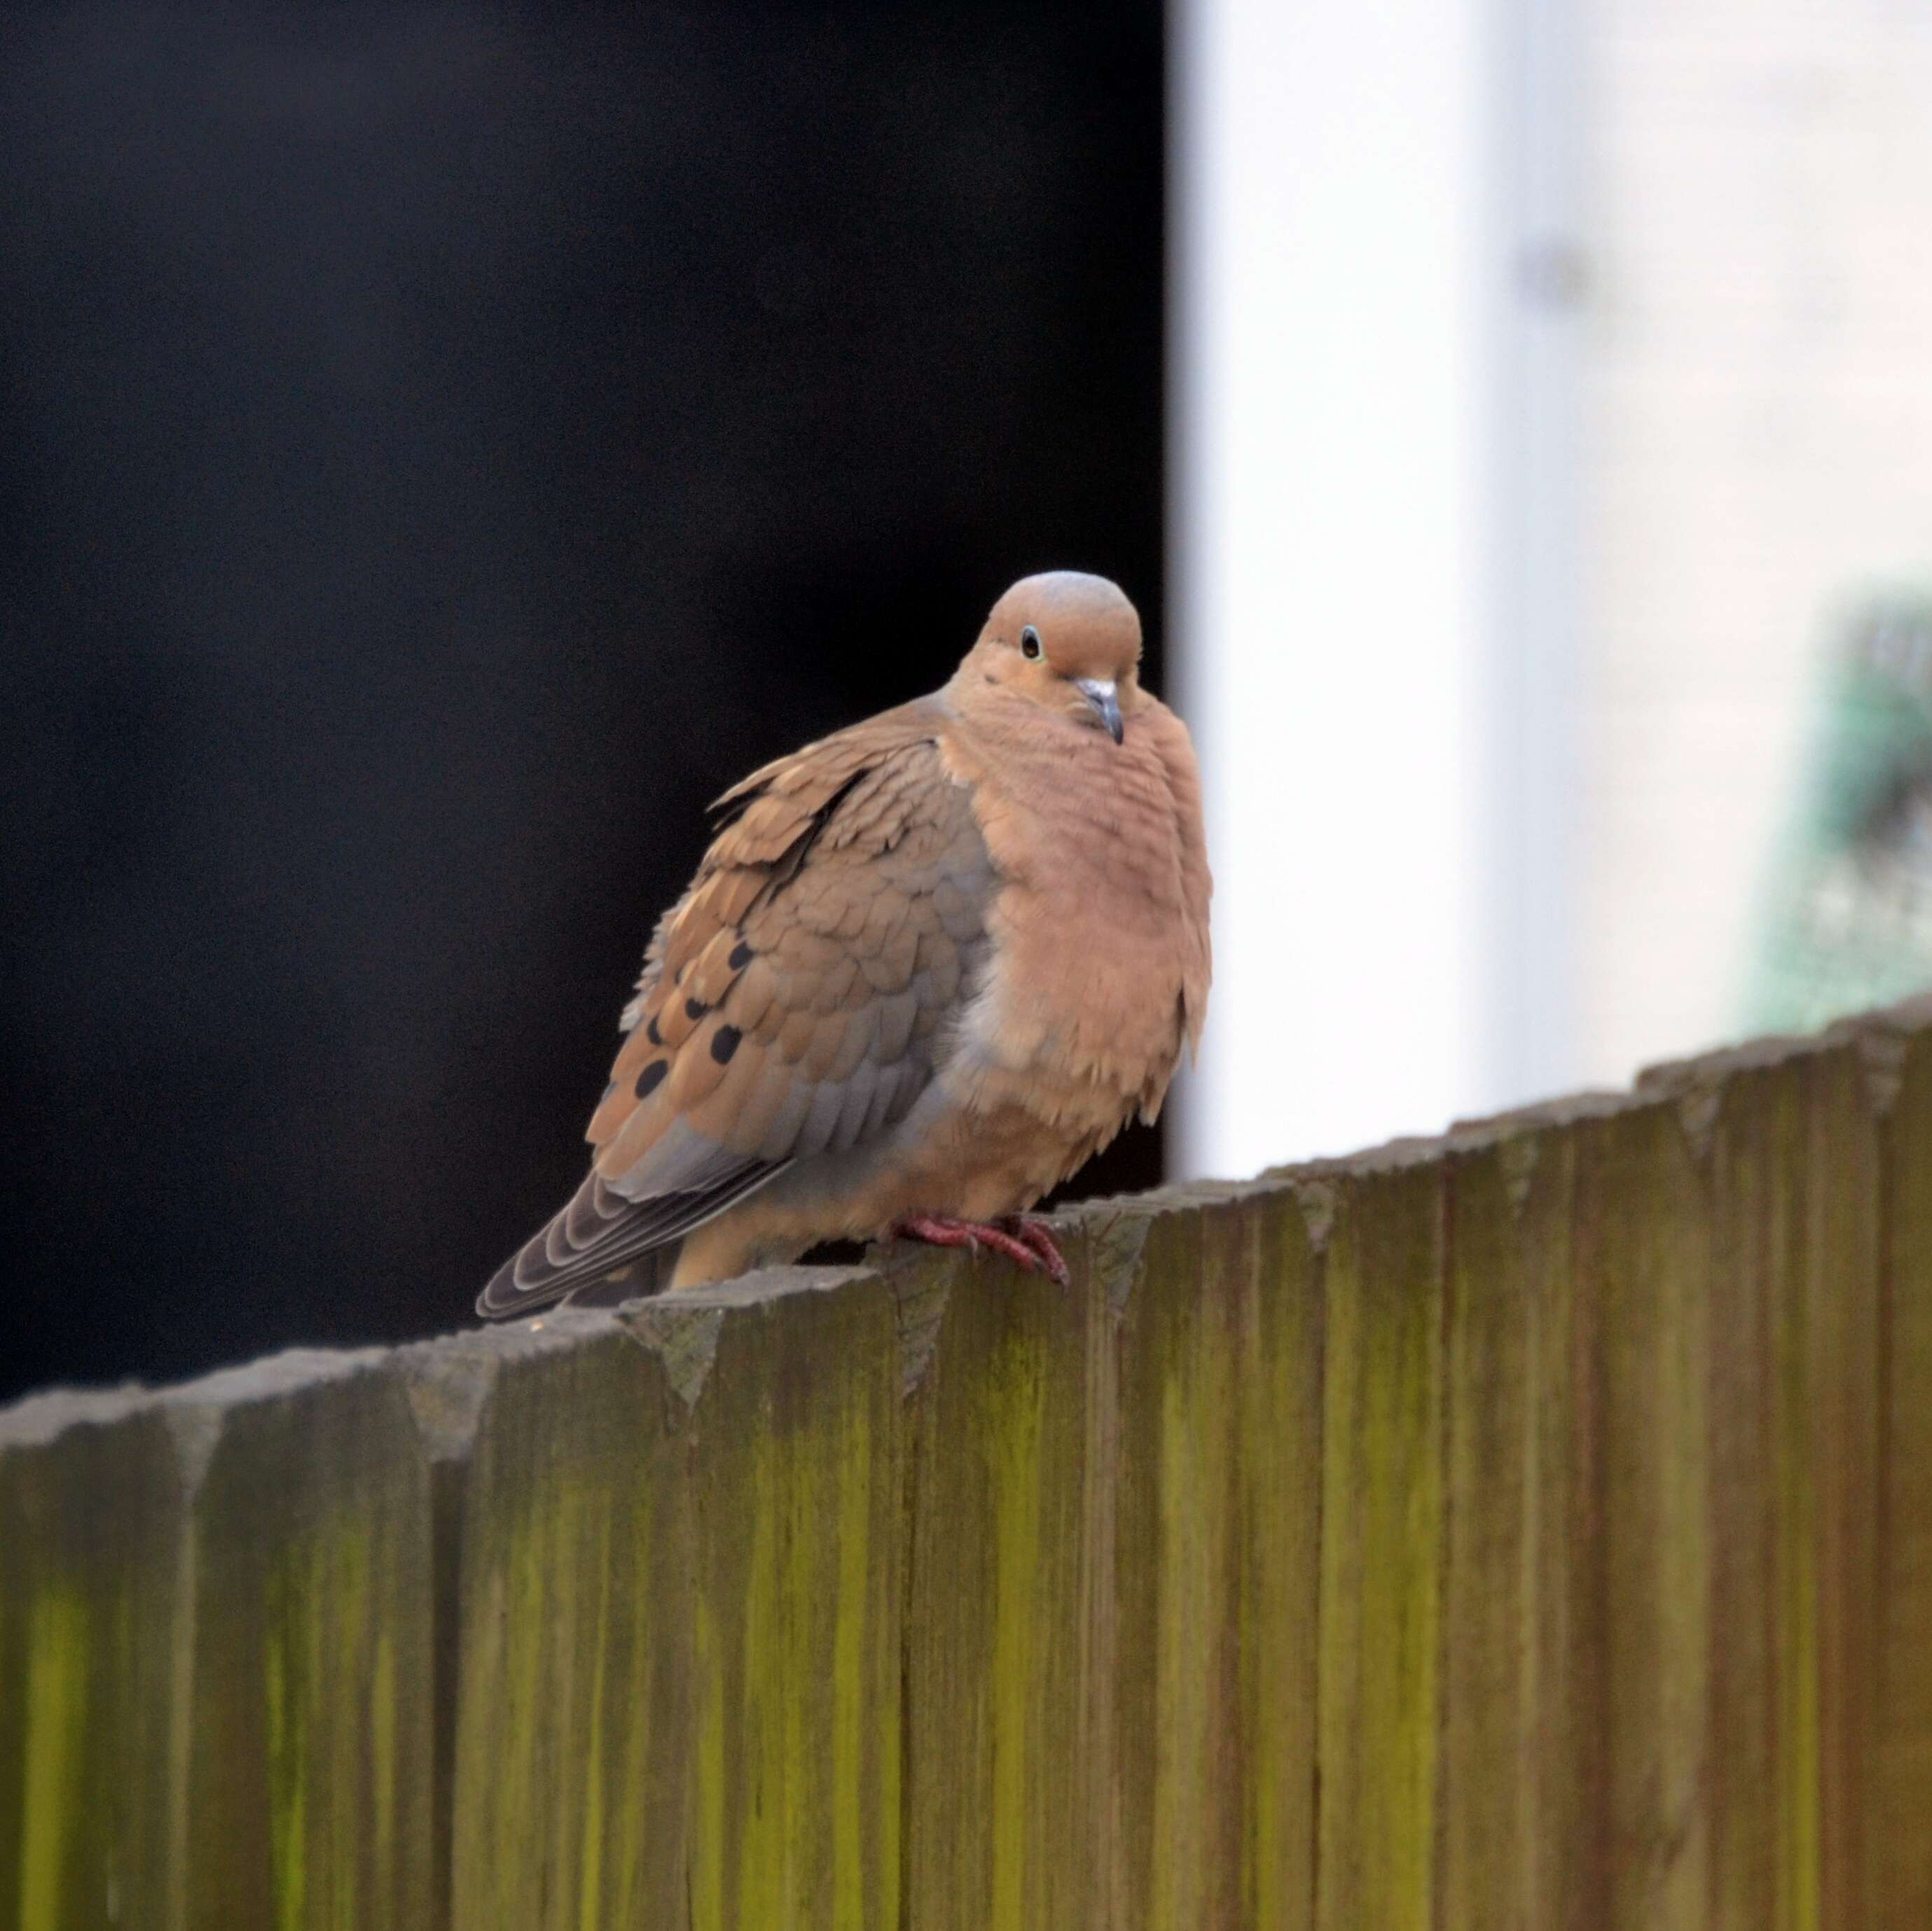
(793, 1003)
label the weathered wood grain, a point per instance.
(1640, 1583)
(678, 1689)
(1381, 1544)
(1847, 1097)
(569, 1806)
(448, 1384)
(793, 1453)
(1902, 1853)
(1505, 1752)
(1002, 1632)
(215, 1652)
(1760, 1518)
(1216, 1492)
(92, 1527)
(1111, 1653)
(1528, 1529)
(1179, 1632)
(306, 1749)
(1275, 1445)
(1563, 1749)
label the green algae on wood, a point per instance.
(305, 1781)
(218, 1620)
(448, 1384)
(90, 1516)
(997, 1607)
(1276, 1448)
(569, 1808)
(792, 1453)
(1380, 1548)
(1179, 1407)
(1216, 1476)
(1530, 1528)
(1503, 1756)
(678, 1695)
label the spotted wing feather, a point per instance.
(792, 1002)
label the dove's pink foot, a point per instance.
(1026, 1242)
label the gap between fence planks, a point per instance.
(1526, 1530)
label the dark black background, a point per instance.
(442, 447)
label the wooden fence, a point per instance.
(1530, 1529)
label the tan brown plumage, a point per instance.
(929, 966)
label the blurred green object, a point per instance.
(1848, 913)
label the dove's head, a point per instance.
(1065, 641)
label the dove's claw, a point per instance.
(1025, 1242)
(1037, 1237)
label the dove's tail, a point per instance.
(559, 1264)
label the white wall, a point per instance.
(1347, 456)
(1759, 431)
(1544, 379)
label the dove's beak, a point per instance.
(1099, 691)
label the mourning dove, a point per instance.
(930, 964)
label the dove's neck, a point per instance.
(1028, 730)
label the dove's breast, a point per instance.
(1097, 964)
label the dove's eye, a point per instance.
(1030, 642)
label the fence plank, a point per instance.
(794, 1453)
(999, 1631)
(1843, 1399)
(1640, 1581)
(92, 1522)
(304, 1791)
(1562, 1763)
(1216, 1487)
(1177, 1660)
(678, 1691)
(1381, 1544)
(1904, 1878)
(569, 1806)
(1148, 1452)
(1761, 1793)
(448, 1383)
(1508, 1256)
(1276, 1451)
